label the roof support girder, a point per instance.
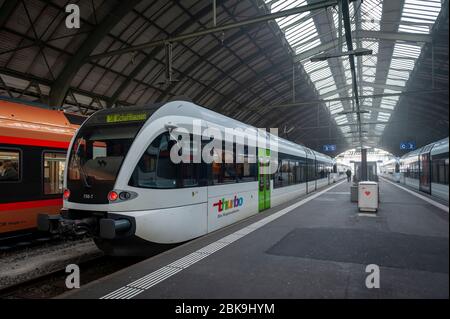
(367, 34)
(183, 37)
(61, 85)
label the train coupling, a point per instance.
(56, 224)
(106, 228)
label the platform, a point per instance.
(314, 247)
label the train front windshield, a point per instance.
(95, 160)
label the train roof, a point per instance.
(15, 111)
(187, 108)
(32, 125)
(438, 147)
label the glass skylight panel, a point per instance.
(367, 116)
(303, 32)
(370, 61)
(397, 74)
(352, 20)
(334, 96)
(336, 107)
(395, 82)
(320, 74)
(402, 64)
(371, 11)
(425, 29)
(417, 16)
(341, 119)
(304, 46)
(327, 89)
(368, 78)
(371, 45)
(406, 50)
(369, 72)
(367, 90)
(420, 12)
(367, 101)
(345, 129)
(312, 66)
(324, 83)
(388, 106)
(301, 37)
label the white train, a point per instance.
(391, 169)
(339, 171)
(426, 169)
(122, 187)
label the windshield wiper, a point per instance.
(83, 173)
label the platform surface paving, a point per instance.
(317, 250)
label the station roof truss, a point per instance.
(257, 73)
(394, 87)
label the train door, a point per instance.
(263, 179)
(311, 176)
(425, 173)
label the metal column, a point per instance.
(364, 164)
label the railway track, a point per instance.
(52, 284)
(29, 240)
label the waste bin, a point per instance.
(368, 196)
(354, 193)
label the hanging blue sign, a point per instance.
(408, 146)
(329, 148)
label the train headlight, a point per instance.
(66, 194)
(113, 196)
(124, 195)
(118, 196)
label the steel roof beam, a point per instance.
(183, 37)
(7, 10)
(200, 15)
(394, 36)
(366, 34)
(61, 85)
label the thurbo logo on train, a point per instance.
(223, 204)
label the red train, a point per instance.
(33, 145)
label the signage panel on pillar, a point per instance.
(329, 148)
(408, 145)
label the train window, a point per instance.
(9, 165)
(291, 171)
(217, 167)
(246, 171)
(277, 179)
(229, 167)
(285, 172)
(54, 165)
(297, 173)
(291, 176)
(440, 169)
(155, 168)
(311, 170)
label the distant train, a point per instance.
(33, 146)
(425, 169)
(339, 171)
(122, 187)
(391, 169)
